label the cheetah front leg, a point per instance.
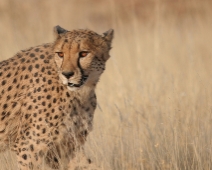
(28, 157)
(30, 149)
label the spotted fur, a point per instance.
(47, 97)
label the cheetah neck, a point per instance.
(85, 92)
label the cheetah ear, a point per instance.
(58, 31)
(108, 35)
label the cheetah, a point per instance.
(47, 97)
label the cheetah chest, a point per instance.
(77, 122)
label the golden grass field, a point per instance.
(155, 97)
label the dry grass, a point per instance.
(155, 98)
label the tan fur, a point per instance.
(45, 114)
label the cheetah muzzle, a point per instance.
(82, 81)
(47, 98)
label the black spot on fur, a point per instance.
(42, 56)
(43, 130)
(8, 97)
(26, 77)
(54, 100)
(9, 88)
(27, 133)
(56, 132)
(15, 63)
(46, 61)
(37, 66)
(14, 104)
(8, 75)
(49, 105)
(49, 81)
(27, 116)
(38, 89)
(67, 94)
(48, 97)
(30, 107)
(22, 60)
(23, 87)
(37, 50)
(3, 82)
(55, 160)
(43, 69)
(5, 106)
(30, 68)
(49, 72)
(24, 156)
(23, 68)
(32, 55)
(31, 148)
(37, 80)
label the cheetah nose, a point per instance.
(68, 74)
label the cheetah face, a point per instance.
(80, 56)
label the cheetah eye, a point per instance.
(60, 54)
(83, 53)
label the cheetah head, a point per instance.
(80, 56)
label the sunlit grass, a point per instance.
(154, 99)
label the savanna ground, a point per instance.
(155, 97)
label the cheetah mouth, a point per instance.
(82, 81)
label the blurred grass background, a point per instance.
(155, 97)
